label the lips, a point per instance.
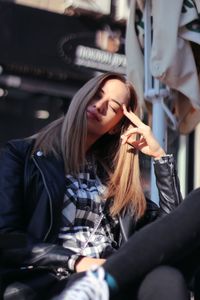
(93, 115)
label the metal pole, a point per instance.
(159, 131)
(154, 94)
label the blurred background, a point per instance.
(49, 49)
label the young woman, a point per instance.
(74, 191)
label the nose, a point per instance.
(101, 106)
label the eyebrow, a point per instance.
(120, 104)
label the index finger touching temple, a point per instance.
(131, 116)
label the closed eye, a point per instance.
(114, 109)
(115, 105)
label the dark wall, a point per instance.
(39, 48)
(22, 114)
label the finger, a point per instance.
(131, 137)
(137, 144)
(124, 140)
(140, 146)
(130, 131)
(132, 117)
(127, 138)
(127, 135)
(135, 130)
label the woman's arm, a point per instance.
(11, 190)
(85, 263)
(164, 165)
(168, 184)
(12, 215)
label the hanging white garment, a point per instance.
(176, 33)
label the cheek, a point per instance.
(116, 120)
(118, 117)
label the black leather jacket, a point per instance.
(31, 197)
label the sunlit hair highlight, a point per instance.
(124, 184)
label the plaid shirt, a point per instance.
(83, 206)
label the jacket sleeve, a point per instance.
(11, 190)
(22, 251)
(169, 196)
(168, 184)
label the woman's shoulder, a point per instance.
(18, 147)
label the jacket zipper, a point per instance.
(50, 199)
(174, 183)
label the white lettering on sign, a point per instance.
(99, 59)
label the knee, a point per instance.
(164, 282)
(166, 274)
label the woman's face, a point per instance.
(105, 110)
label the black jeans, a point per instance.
(163, 283)
(172, 240)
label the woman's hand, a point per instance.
(140, 136)
(87, 262)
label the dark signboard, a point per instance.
(54, 46)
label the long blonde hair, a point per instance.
(66, 138)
